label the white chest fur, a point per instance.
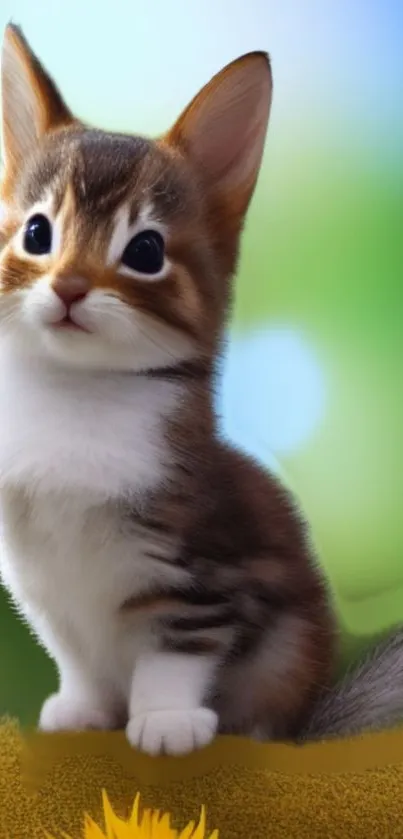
(68, 430)
(70, 569)
(71, 445)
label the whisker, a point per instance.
(123, 319)
(157, 344)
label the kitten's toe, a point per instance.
(62, 713)
(172, 732)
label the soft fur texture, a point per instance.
(369, 698)
(170, 577)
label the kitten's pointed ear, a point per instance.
(223, 129)
(31, 103)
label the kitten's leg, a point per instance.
(166, 712)
(80, 703)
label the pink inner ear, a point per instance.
(234, 152)
(226, 132)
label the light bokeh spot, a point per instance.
(272, 395)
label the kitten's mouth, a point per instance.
(68, 323)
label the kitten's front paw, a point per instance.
(61, 713)
(172, 732)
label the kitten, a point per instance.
(171, 579)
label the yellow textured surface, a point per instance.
(252, 791)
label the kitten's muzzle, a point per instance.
(70, 289)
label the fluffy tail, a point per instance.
(369, 698)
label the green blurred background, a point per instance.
(313, 381)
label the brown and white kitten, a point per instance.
(170, 578)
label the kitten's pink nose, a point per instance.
(70, 288)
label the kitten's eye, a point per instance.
(145, 253)
(38, 235)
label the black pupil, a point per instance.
(38, 235)
(145, 252)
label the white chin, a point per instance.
(82, 350)
(76, 348)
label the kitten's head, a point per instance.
(118, 251)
